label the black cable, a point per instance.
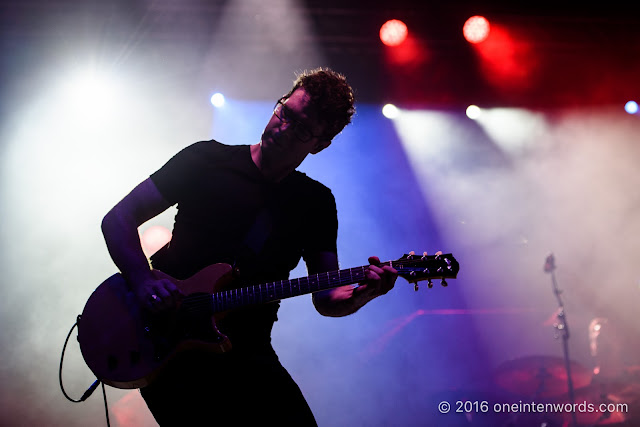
(106, 407)
(91, 388)
(64, 349)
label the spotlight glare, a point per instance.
(631, 107)
(217, 100)
(154, 238)
(473, 112)
(393, 32)
(390, 111)
(476, 29)
(90, 95)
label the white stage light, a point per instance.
(90, 96)
(217, 100)
(473, 112)
(390, 111)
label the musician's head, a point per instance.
(305, 120)
(331, 96)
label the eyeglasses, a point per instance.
(302, 132)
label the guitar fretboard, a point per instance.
(411, 267)
(278, 290)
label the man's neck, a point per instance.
(271, 170)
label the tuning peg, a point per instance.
(426, 271)
(430, 284)
(411, 254)
(444, 283)
(415, 286)
(424, 256)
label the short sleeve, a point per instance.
(322, 230)
(177, 177)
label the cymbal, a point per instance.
(610, 394)
(540, 376)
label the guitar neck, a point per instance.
(411, 267)
(278, 290)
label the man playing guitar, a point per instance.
(246, 206)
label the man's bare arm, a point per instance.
(345, 300)
(120, 230)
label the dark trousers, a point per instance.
(227, 390)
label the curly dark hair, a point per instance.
(330, 94)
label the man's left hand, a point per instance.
(379, 279)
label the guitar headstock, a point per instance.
(415, 268)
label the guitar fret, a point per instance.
(251, 294)
(313, 283)
(276, 288)
(333, 277)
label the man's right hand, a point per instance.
(158, 294)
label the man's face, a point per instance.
(294, 130)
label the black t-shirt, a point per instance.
(220, 192)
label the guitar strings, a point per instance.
(228, 299)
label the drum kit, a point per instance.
(597, 401)
(608, 395)
(551, 391)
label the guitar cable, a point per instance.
(91, 388)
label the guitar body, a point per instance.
(126, 346)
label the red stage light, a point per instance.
(476, 29)
(393, 32)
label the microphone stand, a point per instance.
(563, 328)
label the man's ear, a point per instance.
(320, 145)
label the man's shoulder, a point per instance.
(215, 146)
(212, 150)
(302, 181)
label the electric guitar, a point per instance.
(126, 346)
